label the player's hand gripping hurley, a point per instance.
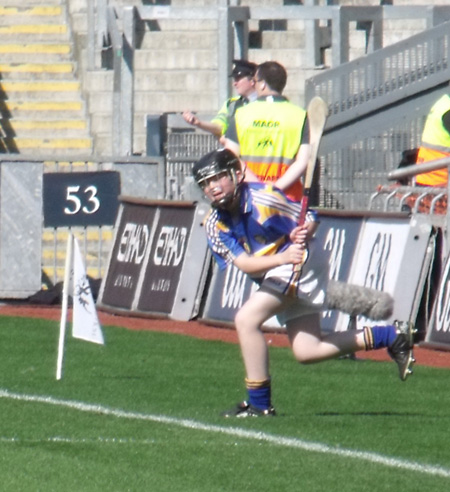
(317, 113)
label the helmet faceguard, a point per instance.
(216, 163)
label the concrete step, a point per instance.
(175, 80)
(103, 144)
(288, 58)
(167, 40)
(49, 14)
(31, 3)
(37, 71)
(100, 102)
(43, 99)
(102, 122)
(39, 109)
(186, 59)
(103, 140)
(40, 90)
(282, 40)
(44, 146)
(44, 128)
(157, 102)
(99, 79)
(36, 48)
(36, 30)
(35, 53)
(36, 57)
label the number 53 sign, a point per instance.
(80, 199)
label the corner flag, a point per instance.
(85, 323)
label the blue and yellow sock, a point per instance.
(377, 337)
(259, 393)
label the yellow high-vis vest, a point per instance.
(270, 131)
(435, 144)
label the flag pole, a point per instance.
(65, 296)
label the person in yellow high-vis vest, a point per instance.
(271, 135)
(435, 142)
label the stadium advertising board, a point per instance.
(132, 240)
(166, 259)
(150, 270)
(438, 330)
(390, 257)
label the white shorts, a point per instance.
(309, 291)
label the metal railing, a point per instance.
(377, 109)
(429, 200)
(386, 77)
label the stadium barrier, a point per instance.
(44, 198)
(160, 265)
(371, 250)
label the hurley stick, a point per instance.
(317, 113)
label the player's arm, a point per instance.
(259, 265)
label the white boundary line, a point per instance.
(287, 442)
(71, 440)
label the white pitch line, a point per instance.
(287, 442)
(71, 440)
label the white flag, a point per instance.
(85, 324)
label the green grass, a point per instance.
(137, 377)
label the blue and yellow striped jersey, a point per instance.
(262, 228)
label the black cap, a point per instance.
(243, 68)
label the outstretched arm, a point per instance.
(206, 126)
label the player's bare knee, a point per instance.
(303, 357)
(239, 319)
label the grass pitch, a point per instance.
(142, 414)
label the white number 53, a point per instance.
(73, 197)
